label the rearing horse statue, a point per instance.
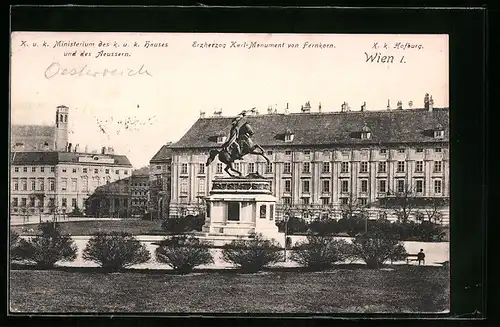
(238, 148)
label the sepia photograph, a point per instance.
(229, 173)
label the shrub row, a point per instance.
(408, 231)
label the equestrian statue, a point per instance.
(238, 145)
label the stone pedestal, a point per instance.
(237, 207)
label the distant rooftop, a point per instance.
(55, 157)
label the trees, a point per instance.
(320, 252)
(376, 247)
(183, 253)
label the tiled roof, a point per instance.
(143, 171)
(54, 157)
(32, 131)
(163, 154)
(329, 128)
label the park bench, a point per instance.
(411, 257)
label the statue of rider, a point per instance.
(233, 136)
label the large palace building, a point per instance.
(323, 159)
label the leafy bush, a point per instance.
(374, 249)
(321, 252)
(187, 224)
(252, 255)
(115, 250)
(47, 248)
(183, 253)
(324, 226)
(294, 225)
(15, 249)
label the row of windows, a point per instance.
(139, 184)
(306, 167)
(139, 193)
(38, 184)
(41, 202)
(64, 170)
(381, 151)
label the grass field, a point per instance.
(403, 289)
(84, 228)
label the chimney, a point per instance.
(306, 108)
(103, 150)
(410, 104)
(363, 106)
(388, 104)
(202, 114)
(344, 107)
(86, 149)
(319, 107)
(110, 150)
(400, 105)
(426, 101)
(286, 109)
(270, 110)
(218, 113)
(77, 147)
(69, 147)
(431, 103)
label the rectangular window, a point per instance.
(15, 202)
(437, 186)
(437, 150)
(16, 169)
(25, 169)
(33, 169)
(305, 201)
(401, 167)
(85, 186)
(269, 152)
(237, 166)
(419, 186)
(345, 201)
(107, 171)
(84, 170)
(52, 185)
(326, 167)
(364, 185)
(201, 185)
(23, 202)
(33, 185)
(251, 167)
(400, 185)
(287, 200)
(74, 170)
(401, 150)
(96, 171)
(363, 201)
(382, 185)
(419, 150)
(201, 168)
(126, 172)
(219, 168)
(306, 186)
(325, 201)
(184, 168)
(73, 185)
(363, 168)
(52, 169)
(325, 186)
(32, 202)
(117, 171)
(24, 184)
(158, 167)
(42, 169)
(344, 167)
(271, 212)
(64, 184)
(288, 153)
(419, 166)
(288, 186)
(287, 168)
(184, 185)
(306, 167)
(269, 168)
(64, 202)
(307, 153)
(51, 203)
(73, 202)
(382, 167)
(438, 166)
(344, 186)
(41, 203)
(63, 170)
(16, 185)
(263, 210)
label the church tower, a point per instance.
(61, 128)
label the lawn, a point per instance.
(403, 289)
(84, 228)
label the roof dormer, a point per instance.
(366, 132)
(221, 137)
(289, 135)
(438, 131)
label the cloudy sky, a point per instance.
(159, 102)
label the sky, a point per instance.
(167, 79)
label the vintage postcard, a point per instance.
(229, 173)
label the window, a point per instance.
(219, 168)
(16, 185)
(325, 186)
(271, 212)
(400, 185)
(41, 184)
(325, 201)
(32, 202)
(305, 201)
(16, 169)
(401, 150)
(437, 186)
(126, 172)
(64, 184)
(382, 185)
(64, 202)
(307, 153)
(84, 170)
(288, 137)
(41, 203)
(221, 139)
(117, 171)
(184, 168)
(382, 167)
(306, 186)
(288, 186)
(363, 201)
(326, 167)
(24, 184)
(437, 150)
(269, 167)
(25, 169)
(33, 169)
(306, 167)
(363, 168)
(263, 210)
(438, 166)
(73, 185)
(287, 169)
(74, 170)
(73, 202)
(438, 134)
(63, 170)
(42, 169)
(15, 202)
(269, 152)
(23, 202)
(287, 200)
(158, 167)
(52, 169)
(184, 185)
(345, 201)
(107, 171)
(201, 185)
(344, 167)
(85, 186)
(96, 171)
(419, 150)
(419, 166)
(288, 153)
(33, 185)
(401, 167)
(364, 185)
(52, 185)
(419, 186)
(201, 168)
(344, 186)
(51, 203)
